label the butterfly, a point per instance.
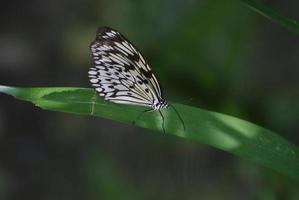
(121, 75)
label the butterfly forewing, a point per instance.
(120, 73)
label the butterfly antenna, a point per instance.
(162, 117)
(181, 119)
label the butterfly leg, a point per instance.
(162, 117)
(138, 117)
(150, 110)
(178, 115)
(93, 103)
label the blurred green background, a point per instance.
(216, 55)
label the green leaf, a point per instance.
(291, 24)
(224, 132)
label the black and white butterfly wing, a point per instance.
(120, 73)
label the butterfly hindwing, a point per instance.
(120, 73)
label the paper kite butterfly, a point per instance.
(121, 74)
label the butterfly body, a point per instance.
(121, 74)
(160, 104)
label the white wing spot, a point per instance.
(99, 89)
(92, 72)
(94, 80)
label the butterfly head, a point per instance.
(159, 104)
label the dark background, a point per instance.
(216, 55)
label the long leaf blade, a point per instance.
(291, 24)
(221, 131)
